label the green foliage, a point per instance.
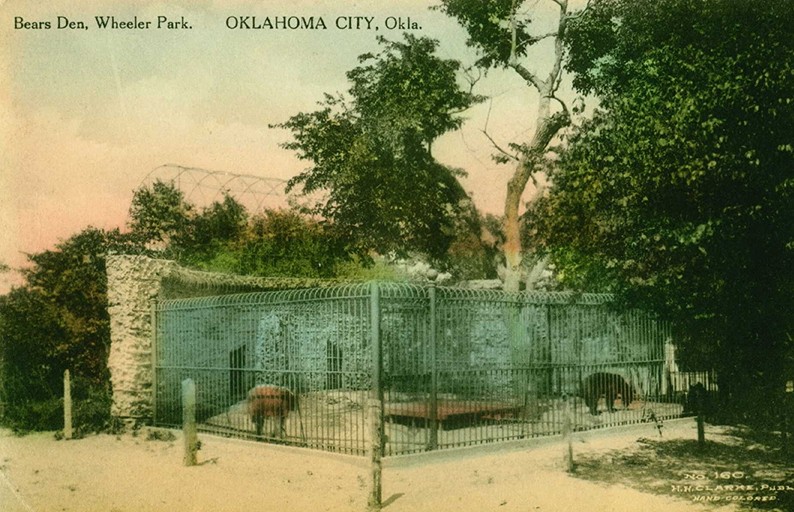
(380, 188)
(34, 415)
(91, 410)
(58, 321)
(376, 270)
(31, 334)
(678, 192)
(474, 250)
(208, 233)
(283, 243)
(407, 92)
(160, 214)
(488, 24)
(224, 237)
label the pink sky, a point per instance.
(87, 114)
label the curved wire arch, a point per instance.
(202, 187)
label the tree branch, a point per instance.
(493, 142)
(562, 104)
(512, 62)
(556, 73)
(498, 148)
(527, 75)
(513, 32)
(581, 12)
(544, 36)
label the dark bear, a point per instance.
(697, 400)
(608, 385)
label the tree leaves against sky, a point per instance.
(678, 192)
(370, 151)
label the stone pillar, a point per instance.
(133, 281)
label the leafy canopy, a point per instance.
(59, 321)
(490, 25)
(224, 237)
(372, 175)
(678, 192)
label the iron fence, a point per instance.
(452, 367)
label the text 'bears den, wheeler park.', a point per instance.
(104, 22)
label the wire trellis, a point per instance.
(202, 187)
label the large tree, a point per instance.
(678, 191)
(372, 175)
(502, 32)
(58, 320)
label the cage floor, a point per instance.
(336, 421)
(450, 412)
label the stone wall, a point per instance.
(133, 283)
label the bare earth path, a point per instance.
(132, 474)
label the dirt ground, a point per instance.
(137, 473)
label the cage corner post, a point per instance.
(432, 443)
(153, 337)
(375, 408)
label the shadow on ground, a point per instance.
(736, 465)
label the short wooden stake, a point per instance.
(701, 430)
(788, 419)
(567, 431)
(189, 421)
(67, 405)
(375, 410)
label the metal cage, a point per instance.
(453, 367)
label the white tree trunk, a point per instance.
(529, 166)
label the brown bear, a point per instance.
(270, 402)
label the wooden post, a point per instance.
(700, 394)
(701, 430)
(567, 434)
(67, 405)
(375, 412)
(189, 421)
(788, 419)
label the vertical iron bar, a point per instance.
(433, 441)
(377, 364)
(375, 403)
(550, 343)
(153, 308)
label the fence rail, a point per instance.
(452, 367)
